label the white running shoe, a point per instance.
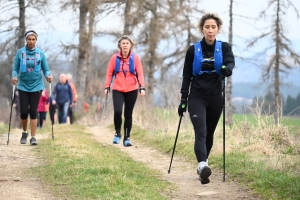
(204, 172)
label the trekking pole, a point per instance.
(223, 85)
(52, 120)
(175, 144)
(12, 99)
(104, 108)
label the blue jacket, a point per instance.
(62, 93)
(27, 67)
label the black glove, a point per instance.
(108, 90)
(225, 71)
(182, 107)
(142, 88)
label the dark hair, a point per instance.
(31, 31)
(199, 25)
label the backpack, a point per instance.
(198, 59)
(131, 65)
(37, 60)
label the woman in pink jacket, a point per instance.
(125, 68)
(42, 109)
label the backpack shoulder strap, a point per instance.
(198, 57)
(118, 63)
(131, 64)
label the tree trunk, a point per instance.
(228, 90)
(82, 67)
(127, 16)
(153, 35)
(21, 31)
(92, 6)
(277, 112)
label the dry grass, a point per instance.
(262, 140)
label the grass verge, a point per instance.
(77, 167)
(263, 156)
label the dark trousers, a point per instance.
(41, 118)
(70, 114)
(204, 113)
(128, 99)
(28, 104)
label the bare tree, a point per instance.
(278, 61)
(15, 27)
(228, 90)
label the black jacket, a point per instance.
(205, 84)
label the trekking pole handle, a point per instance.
(13, 93)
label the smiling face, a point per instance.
(210, 30)
(125, 46)
(31, 40)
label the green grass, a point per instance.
(291, 122)
(269, 183)
(3, 128)
(253, 170)
(77, 167)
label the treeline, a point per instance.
(290, 105)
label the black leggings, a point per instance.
(42, 117)
(129, 99)
(204, 113)
(28, 104)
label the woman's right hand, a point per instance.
(53, 102)
(14, 80)
(107, 91)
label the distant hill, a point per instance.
(248, 90)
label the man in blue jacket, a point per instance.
(62, 96)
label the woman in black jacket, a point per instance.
(206, 62)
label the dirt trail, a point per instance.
(15, 160)
(183, 174)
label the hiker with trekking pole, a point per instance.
(28, 64)
(206, 65)
(126, 71)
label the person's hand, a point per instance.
(182, 107)
(14, 80)
(49, 79)
(142, 91)
(107, 90)
(14, 105)
(53, 102)
(225, 71)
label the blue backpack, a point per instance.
(198, 59)
(118, 65)
(37, 60)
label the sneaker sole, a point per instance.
(23, 142)
(33, 144)
(127, 145)
(205, 173)
(203, 176)
(204, 181)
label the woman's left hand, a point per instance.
(143, 92)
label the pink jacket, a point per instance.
(43, 102)
(122, 82)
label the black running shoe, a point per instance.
(33, 141)
(24, 138)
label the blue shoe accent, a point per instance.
(127, 143)
(116, 140)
